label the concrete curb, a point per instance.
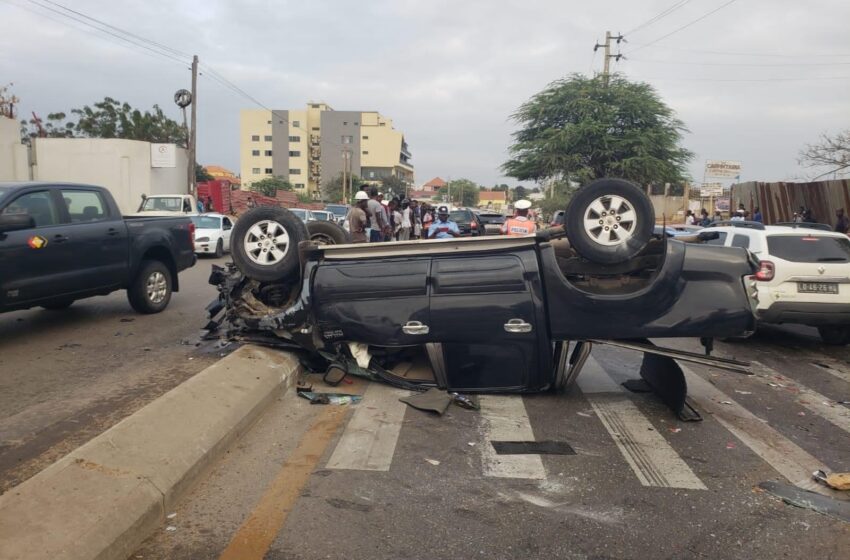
(103, 499)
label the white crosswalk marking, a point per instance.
(653, 460)
(369, 440)
(504, 419)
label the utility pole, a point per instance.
(193, 159)
(608, 56)
(344, 169)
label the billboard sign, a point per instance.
(722, 204)
(163, 155)
(720, 168)
(708, 190)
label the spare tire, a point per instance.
(609, 221)
(264, 243)
(327, 233)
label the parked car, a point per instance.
(212, 234)
(168, 204)
(557, 219)
(803, 276)
(488, 313)
(63, 242)
(340, 211)
(323, 215)
(304, 214)
(467, 222)
(492, 222)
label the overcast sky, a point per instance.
(450, 73)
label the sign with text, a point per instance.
(163, 155)
(708, 190)
(722, 204)
(716, 168)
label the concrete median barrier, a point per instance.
(103, 499)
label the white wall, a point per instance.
(122, 166)
(14, 164)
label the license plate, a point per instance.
(817, 288)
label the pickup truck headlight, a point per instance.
(201, 239)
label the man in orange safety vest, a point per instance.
(520, 224)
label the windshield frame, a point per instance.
(197, 219)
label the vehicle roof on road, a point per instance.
(16, 184)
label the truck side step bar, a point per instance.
(648, 347)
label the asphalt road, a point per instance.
(66, 376)
(377, 480)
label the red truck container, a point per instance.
(220, 191)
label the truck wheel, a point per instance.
(264, 243)
(609, 221)
(835, 335)
(219, 249)
(327, 233)
(150, 291)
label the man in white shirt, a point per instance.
(406, 221)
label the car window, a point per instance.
(809, 248)
(84, 206)
(459, 216)
(39, 205)
(721, 239)
(206, 222)
(227, 223)
(742, 241)
(173, 204)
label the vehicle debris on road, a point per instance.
(836, 481)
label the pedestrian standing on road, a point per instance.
(757, 217)
(250, 203)
(427, 218)
(200, 206)
(520, 224)
(416, 233)
(689, 218)
(397, 218)
(704, 221)
(739, 216)
(443, 227)
(406, 221)
(808, 217)
(377, 224)
(357, 220)
(718, 216)
(842, 224)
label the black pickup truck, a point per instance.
(63, 242)
(491, 313)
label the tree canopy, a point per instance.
(109, 118)
(579, 129)
(332, 189)
(831, 152)
(201, 173)
(463, 192)
(393, 184)
(270, 185)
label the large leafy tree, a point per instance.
(579, 129)
(109, 118)
(461, 192)
(393, 184)
(831, 153)
(270, 185)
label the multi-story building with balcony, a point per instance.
(311, 146)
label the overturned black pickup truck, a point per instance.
(490, 314)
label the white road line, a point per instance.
(504, 419)
(594, 379)
(369, 440)
(833, 367)
(653, 460)
(822, 406)
(787, 458)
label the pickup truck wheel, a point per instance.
(150, 291)
(835, 335)
(219, 249)
(609, 221)
(264, 243)
(327, 233)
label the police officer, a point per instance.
(520, 224)
(443, 227)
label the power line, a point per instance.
(685, 26)
(751, 64)
(657, 17)
(679, 79)
(748, 53)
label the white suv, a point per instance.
(804, 274)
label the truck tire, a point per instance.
(609, 221)
(327, 233)
(264, 243)
(150, 290)
(835, 335)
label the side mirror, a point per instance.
(15, 222)
(708, 236)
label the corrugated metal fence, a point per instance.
(779, 201)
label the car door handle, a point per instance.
(59, 238)
(517, 326)
(415, 327)
(112, 231)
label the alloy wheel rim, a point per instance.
(266, 243)
(610, 220)
(157, 287)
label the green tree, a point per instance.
(332, 189)
(463, 192)
(557, 198)
(54, 126)
(579, 129)
(393, 184)
(270, 185)
(305, 198)
(201, 174)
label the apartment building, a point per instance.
(311, 146)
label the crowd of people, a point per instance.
(802, 216)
